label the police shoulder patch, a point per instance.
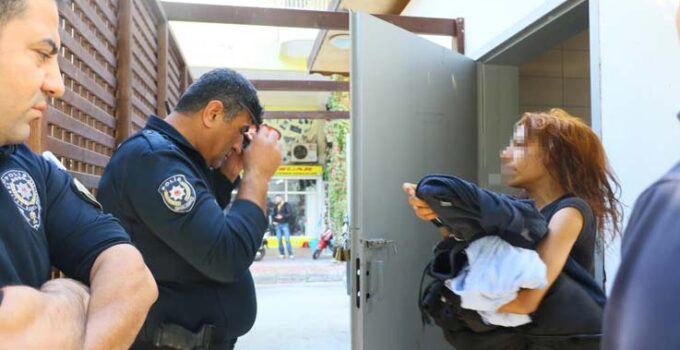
(24, 193)
(178, 194)
(85, 193)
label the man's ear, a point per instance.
(212, 113)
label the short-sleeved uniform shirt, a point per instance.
(172, 204)
(643, 311)
(47, 220)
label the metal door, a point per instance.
(413, 113)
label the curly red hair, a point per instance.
(575, 158)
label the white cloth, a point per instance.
(495, 272)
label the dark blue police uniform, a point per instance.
(172, 204)
(643, 311)
(46, 220)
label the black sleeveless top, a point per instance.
(584, 248)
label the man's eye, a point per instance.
(43, 56)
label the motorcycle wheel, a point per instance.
(316, 254)
(259, 255)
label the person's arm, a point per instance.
(180, 209)
(50, 318)
(224, 187)
(260, 161)
(122, 291)
(227, 178)
(563, 230)
(92, 247)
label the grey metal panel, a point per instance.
(413, 113)
(565, 21)
(498, 106)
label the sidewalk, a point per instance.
(303, 268)
(306, 316)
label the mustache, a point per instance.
(40, 98)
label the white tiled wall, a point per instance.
(560, 77)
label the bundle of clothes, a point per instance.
(489, 257)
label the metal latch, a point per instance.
(378, 243)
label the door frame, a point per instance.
(549, 26)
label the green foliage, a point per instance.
(335, 169)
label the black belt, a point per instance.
(144, 345)
(175, 337)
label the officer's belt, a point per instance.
(177, 337)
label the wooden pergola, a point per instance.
(325, 20)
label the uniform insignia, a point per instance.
(85, 193)
(178, 194)
(24, 193)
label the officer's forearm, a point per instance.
(122, 291)
(50, 319)
(254, 188)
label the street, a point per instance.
(300, 316)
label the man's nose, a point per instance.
(53, 86)
(506, 153)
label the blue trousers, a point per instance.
(284, 229)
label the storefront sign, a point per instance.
(299, 170)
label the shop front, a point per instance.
(302, 187)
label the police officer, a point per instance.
(643, 310)
(48, 219)
(169, 185)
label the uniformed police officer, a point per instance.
(169, 185)
(643, 310)
(47, 219)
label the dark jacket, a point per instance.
(570, 312)
(286, 213)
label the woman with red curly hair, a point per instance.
(559, 162)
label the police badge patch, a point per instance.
(178, 194)
(24, 193)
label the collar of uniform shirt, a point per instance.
(7, 150)
(157, 124)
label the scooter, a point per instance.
(259, 255)
(326, 241)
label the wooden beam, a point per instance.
(460, 35)
(316, 48)
(278, 17)
(37, 139)
(300, 85)
(185, 79)
(163, 54)
(306, 115)
(124, 74)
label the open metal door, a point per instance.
(413, 113)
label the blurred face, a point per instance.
(521, 161)
(227, 137)
(278, 199)
(29, 73)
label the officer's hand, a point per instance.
(233, 163)
(421, 209)
(263, 156)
